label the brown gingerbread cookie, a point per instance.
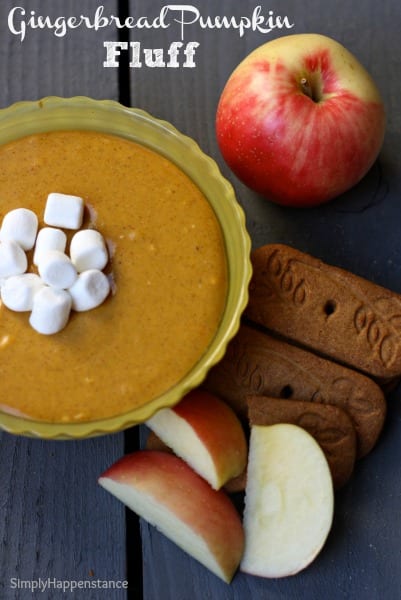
(327, 309)
(330, 425)
(258, 364)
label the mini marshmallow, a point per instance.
(50, 311)
(13, 260)
(20, 225)
(88, 250)
(48, 238)
(89, 290)
(18, 291)
(57, 270)
(63, 210)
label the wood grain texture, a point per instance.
(55, 521)
(360, 231)
(45, 64)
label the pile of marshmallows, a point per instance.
(63, 283)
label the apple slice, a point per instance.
(166, 492)
(206, 433)
(289, 501)
(232, 486)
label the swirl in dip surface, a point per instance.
(169, 270)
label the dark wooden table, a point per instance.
(55, 521)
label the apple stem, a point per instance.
(306, 88)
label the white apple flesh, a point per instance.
(300, 120)
(206, 433)
(167, 493)
(234, 485)
(289, 501)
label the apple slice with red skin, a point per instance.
(234, 485)
(205, 432)
(166, 492)
(289, 501)
(300, 120)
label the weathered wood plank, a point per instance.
(360, 231)
(56, 522)
(49, 64)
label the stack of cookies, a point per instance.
(317, 348)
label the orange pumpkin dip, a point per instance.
(168, 265)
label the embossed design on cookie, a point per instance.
(321, 429)
(250, 377)
(248, 369)
(319, 397)
(287, 280)
(280, 277)
(378, 320)
(381, 327)
(355, 403)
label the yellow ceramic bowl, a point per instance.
(53, 113)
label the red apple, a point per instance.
(300, 120)
(166, 492)
(206, 433)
